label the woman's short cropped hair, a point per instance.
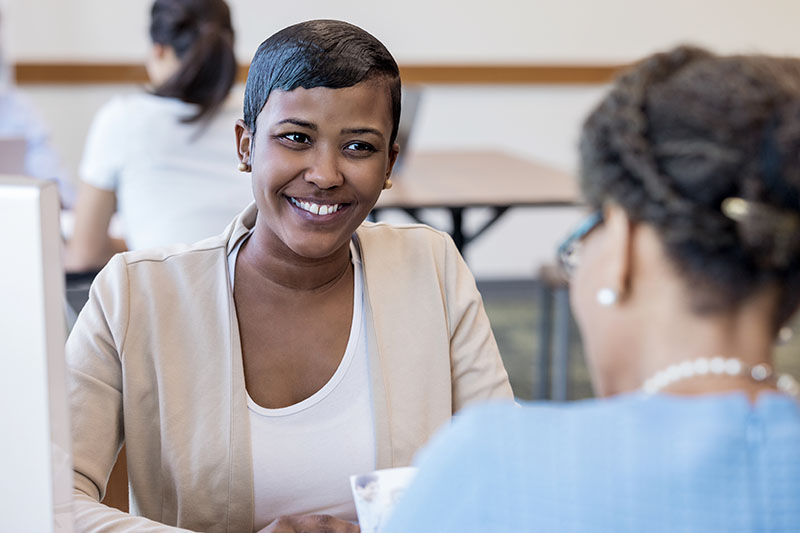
(706, 149)
(319, 53)
(201, 34)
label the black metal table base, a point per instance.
(460, 237)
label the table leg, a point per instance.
(457, 229)
(541, 361)
(460, 238)
(561, 327)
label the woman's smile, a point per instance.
(318, 210)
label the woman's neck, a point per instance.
(282, 269)
(668, 338)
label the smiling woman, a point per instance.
(251, 374)
(337, 142)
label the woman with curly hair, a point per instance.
(681, 278)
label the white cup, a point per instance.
(375, 494)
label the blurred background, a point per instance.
(513, 76)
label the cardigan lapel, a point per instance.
(241, 501)
(381, 411)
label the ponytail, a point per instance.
(201, 34)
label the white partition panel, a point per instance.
(35, 458)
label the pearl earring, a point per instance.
(607, 297)
(387, 184)
(244, 167)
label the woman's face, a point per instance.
(319, 159)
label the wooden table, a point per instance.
(461, 180)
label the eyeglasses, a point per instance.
(568, 251)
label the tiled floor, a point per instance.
(513, 310)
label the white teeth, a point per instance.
(316, 208)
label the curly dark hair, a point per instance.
(682, 132)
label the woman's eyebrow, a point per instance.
(298, 122)
(361, 131)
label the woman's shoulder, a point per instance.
(500, 418)
(19, 116)
(400, 236)
(174, 260)
(12, 99)
(589, 434)
(409, 247)
(141, 108)
(407, 230)
(552, 424)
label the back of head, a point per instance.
(201, 34)
(706, 149)
(319, 53)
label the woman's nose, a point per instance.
(324, 171)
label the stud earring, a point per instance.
(785, 335)
(244, 167)
(387, 184)
(607, 297)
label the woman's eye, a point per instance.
(360, 147)
(299, 138)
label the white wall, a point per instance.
(431, 31)
(537, 122)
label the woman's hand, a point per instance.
(311, 523)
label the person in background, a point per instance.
(682, 276)
(251, 374)
(19, 119)
(162, 159)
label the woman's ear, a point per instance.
(159, 51)
(619, 233)
(162, 63)
(393, 151)
(244, 142)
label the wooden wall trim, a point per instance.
(509, 74)
(96, 73)
(82, 73)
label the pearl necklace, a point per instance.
(719, 366)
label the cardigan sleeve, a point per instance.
(94, 351)
(478, 373)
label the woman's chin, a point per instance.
(318, 248)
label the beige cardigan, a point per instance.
(155, 362)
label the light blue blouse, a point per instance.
(630, 463)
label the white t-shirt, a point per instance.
(304, 454)
(175, 182)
